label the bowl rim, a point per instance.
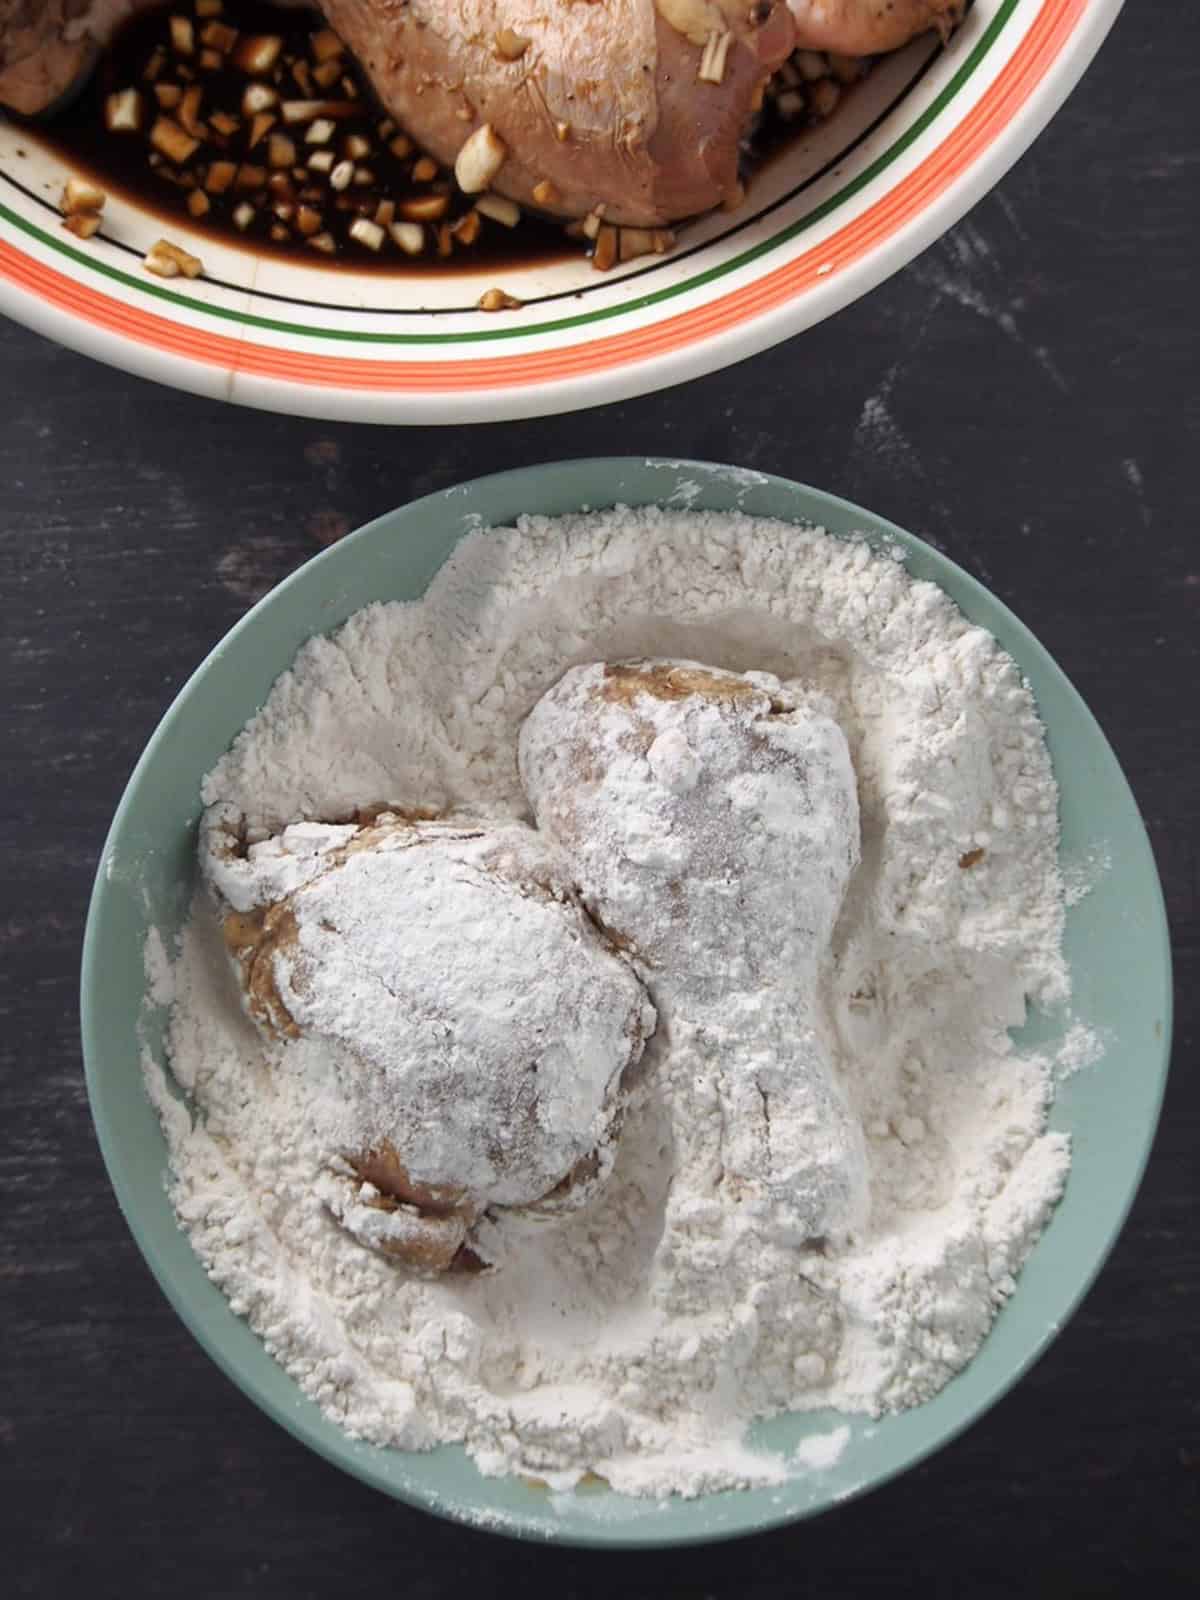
(291, 369)
(879, 531)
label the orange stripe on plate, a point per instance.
(994, 112)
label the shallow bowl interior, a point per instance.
(1116, 940)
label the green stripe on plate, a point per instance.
(249, 319)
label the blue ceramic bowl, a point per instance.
(1116, 940)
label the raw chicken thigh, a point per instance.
(588, 105)
(47, 45)
(638, 108)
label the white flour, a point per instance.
(637, 1338)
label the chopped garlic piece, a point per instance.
(167, 260)
(480, 159)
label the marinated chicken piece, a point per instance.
(47, 45)
(712, 826)
(591, 106)
(480, 1028)
(38, 63)
(870, 27)
(634, 110)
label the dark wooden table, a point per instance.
(1025, 396)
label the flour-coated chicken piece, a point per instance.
(712, 826)
(477, 1027)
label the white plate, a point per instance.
(927, 134)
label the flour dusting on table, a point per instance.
(637, 1338)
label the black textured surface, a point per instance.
(1026, 397)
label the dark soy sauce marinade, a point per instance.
(120, 162)
(143, 56)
